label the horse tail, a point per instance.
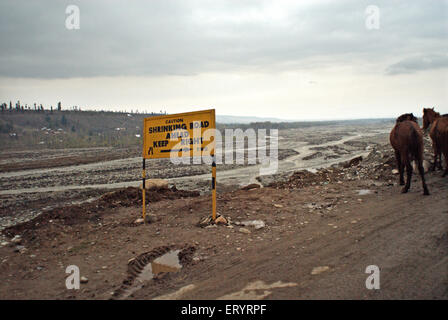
(417, 143)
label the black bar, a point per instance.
(213, 160)
(213, 183)
(144, 176)
(275, 309)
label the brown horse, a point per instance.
(439, 136)
(406, 116)
(407, 140)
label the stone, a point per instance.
(139, 221)
(17, 239)
(244, 230)
(352, 162)
(205, 222)
(155, 184)
(319, 270)
(257, 224)
(83, 280)
(220, 220)
(251, 186)
(395, 171)
(278, 205)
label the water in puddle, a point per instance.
(363, 192)
(169, 262)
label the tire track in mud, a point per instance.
(144, 268)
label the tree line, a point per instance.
(18, 107)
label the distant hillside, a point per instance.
(60, 129)
(32, 129)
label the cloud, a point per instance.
(189, 37)
(419, 63)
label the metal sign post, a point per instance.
(213, 186)
(144, 191)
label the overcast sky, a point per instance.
(287, 59)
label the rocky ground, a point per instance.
(50, 158)
(297, 235)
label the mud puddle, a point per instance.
(169, 262)
(152, 265)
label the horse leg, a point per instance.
(440, 160)
(422, 175)
(433, 166)
(445, 154)
(400, 166)
(408, 165)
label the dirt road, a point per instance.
(338, 225)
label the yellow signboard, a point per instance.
(180, 135)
